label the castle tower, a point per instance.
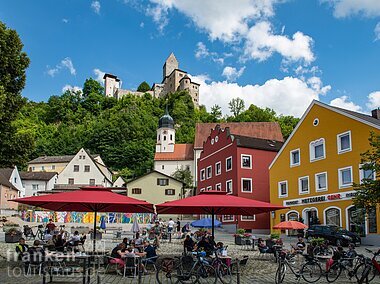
(111, 84)
(170, 64)
(165, 134)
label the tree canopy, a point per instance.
(143, 87)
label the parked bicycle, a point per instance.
(186, 270)
(28, 233)
(350, 267)
(323, 249)
(368, 270)
(310, 271)
(223, 271)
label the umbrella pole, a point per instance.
(212, 221)
(94, 235)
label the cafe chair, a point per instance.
(110, 263)
(242, 264)
(150, 261)
(131, 265)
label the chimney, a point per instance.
(376, 113)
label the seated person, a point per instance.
(59, 243)
(21, 248)
(212, 241)
(51, 242)
(150, 251)
(126, 242)
(48, 236)
(36, 253)
(117, 255)
(138, 240)
(73, 240)
(204, 244)
(351, 253)
(50, 227)
(263, 248)
(300, 246)
(188, 244)
(130, 252)
(219, 248)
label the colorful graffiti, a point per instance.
(84, 217)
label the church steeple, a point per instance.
(165, 133)
(170, 64)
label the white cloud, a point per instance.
(65, 63)
(231, 73)
(262, 43)
(203, 52)
(95, 6)
(72, 89)
(99, 75)
(377, 31)
(142, 24)
(345, 8)
(373, 100)
(297, 94)
(344, 102)
(65, 20)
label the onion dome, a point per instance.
(166, 121)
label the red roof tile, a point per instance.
(262, 130)
(182, 152)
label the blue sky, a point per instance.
(274, 53)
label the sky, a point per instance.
(280, 54)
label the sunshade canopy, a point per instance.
(205, 223)
(88, 199)
(290, 225)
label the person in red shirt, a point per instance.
(50, 227)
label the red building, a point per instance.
(238, 165)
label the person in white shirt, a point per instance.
(170, 225)
(73, 239)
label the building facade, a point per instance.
(13, 176)
(314, 172)
(7, 191)
(238, 165)
(34, 182)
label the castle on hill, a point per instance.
(173, 79)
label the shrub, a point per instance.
(240, 231)
(275, 236)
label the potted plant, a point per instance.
(239, 237)
(13, 235)
(99, 233)
(9, 225)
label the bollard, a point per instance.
(170, 237)
(139, 270)
(237, 271)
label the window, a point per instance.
(15, 180)
(162, 167)
(171, 137)
(202, 189)
(76, 168)
(229, 186)
(162, 181)
(321, 181)
(228, 164)
(372, 220)
(248, 218)
(209, 188)
(35, 186)
(218, 168)
(209, 172)
(295, 158)
(83, 157)
(187, 167)
(246, 185)
(317, 150)
(136, 190)
(283, 188)
(246, 161)
(202, 174)
(169, 191)
(87, 168)
(303, 185)
(366, 173)
(345, 177)
(228, 218)
(92, 181)
(218, 187)
(344, 142)
(332, 216)
(42, 168)
(33, 168)
(53, 167)
(71, 181)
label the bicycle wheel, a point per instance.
(168, 272)
(334, 272)
(311, 272)
(365, 273)
(224, 273)
(280, 273)
(206, 274)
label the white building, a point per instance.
(35, 182)
(119, 182)
(13, 176)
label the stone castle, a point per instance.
(173, 79)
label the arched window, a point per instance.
(164, 137)
(332, 216)
(292, 216)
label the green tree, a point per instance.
(92, 86)
(143, 87)
(236, 106)
(216, 113)
(368, 191)
(15, 145)
(185, 176)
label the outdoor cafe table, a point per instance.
(54, 257)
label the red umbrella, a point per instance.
(290, 225)
(89, 199)
(216, 203)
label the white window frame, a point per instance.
(248, 220)
(202, 189)
(332, 207)
(216, 187)
(216, 168)
(340, 151)
(242, 182)
(341, 185)
(232, 189)
(224, 220)
(250, 161)
(316, 182)
(312, 149)
(230, 157)
(279, 189)
(300, 192)
(203, 177)
(291, 158)
(361, 173)
(208, 177)
(209, 188)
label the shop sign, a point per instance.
(320, 198)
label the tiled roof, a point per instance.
(257, 143)
(262, 130)
(182, 152)
(6, 172)
(37, 175)
(54, 159)
(4, 180)
(359, 115)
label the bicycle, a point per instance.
(369, 269)
(40, 232)
(323, 249)
(181, 270)
(310, 271)
(28, 233)
(223, 271)
(349, 265)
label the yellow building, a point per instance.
(314, 172)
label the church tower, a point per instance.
(165, 134)
(170, 64)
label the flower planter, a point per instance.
(7, 228)
(81, 230)
(13, 238)
(239, 240)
